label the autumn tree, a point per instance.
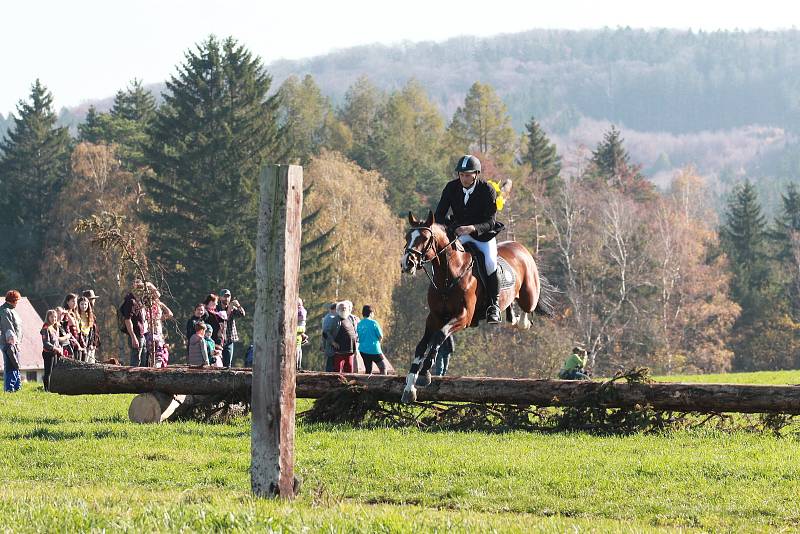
(361, 110)
(34, 159)
(366, 237)
(96, 182)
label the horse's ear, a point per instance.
(429, 221)
(412, 220)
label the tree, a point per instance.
(612, 165)
(361, 110)
(91, 130)
(409, 148)
(541, 155)
(364, 237)
(96, 182)
(209, 140)
(482, 124)
(33, 165)
(309, 120)
(785, 235)
(135, 103)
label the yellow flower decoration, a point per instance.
(500, 202)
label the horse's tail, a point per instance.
(546, 305)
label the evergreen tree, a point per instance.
(744, 240)
(209, 140)
(611, 164)
(361, 111)
(408, 148)
(134, 104)
(542, 157)
(786, 237)
(34, 160)
(92, 130)
(309, 120)
(483, 124)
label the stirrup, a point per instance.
(493, 314)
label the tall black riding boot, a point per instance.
(493, 311)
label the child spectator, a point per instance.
(198, 349)
(87, 327)
(214, 351)
(51, 348)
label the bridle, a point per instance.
(423, 261)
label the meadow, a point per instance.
(77, 464)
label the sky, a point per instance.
(88, 49)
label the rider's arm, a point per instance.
(487, 219)
(442, 208)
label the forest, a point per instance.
(647, 275)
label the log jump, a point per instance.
(75, 378)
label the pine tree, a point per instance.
(785, 235)
(611, 164)
(33, 164)
(209, 140)
(744, 239)
(134, 104)
(483, 124)
(541, 155)
(92, 130)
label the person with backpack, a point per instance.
(344, 338)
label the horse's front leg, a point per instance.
(410, 392)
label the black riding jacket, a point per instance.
(479, 211)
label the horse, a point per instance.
(456, 299)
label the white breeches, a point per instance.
(489, 249)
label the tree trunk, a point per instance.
(75, 378)
(154, 407)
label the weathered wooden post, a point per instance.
(277, 268)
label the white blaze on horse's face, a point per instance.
(406, 264)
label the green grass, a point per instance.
(761, 377)
(77, 464)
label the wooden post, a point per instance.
(275, 323)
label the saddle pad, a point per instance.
(505, 274)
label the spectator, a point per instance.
(446, 350)
(369, 341)
(132, 314)
(248, 358)
(51, 347)
(232, 309)
(216, 318)
(154, 335)
(302, 338)
(574, 366)
(344, 340)
(89, 294)
(64, 337)
(69, 320)
(214, 350)
(198, 350)
(328, 323)
(198, 316)
(10, 338)
(87, 326)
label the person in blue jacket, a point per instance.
(369, 341)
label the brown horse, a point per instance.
(456, 299)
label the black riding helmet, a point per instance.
(468, 163)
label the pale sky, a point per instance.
(88, 49)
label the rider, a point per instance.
(473, 202)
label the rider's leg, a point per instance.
(493, 291)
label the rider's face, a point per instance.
(467, 178)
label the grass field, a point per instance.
(76, 464)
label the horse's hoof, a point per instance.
(424, 379)
(409, 396)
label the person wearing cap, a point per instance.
(10, 338)
(574, 366)
(233, 310)
(369, 341)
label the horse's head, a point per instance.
(420, 240)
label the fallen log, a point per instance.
(155, 407)
(76, 378)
